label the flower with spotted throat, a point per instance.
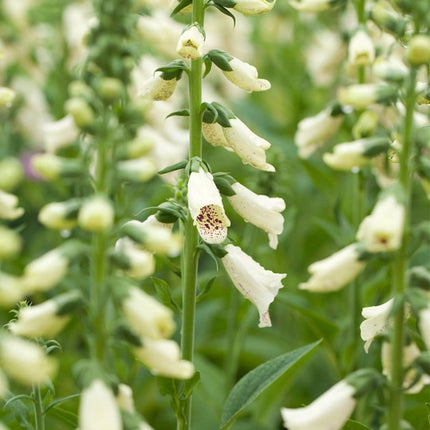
(206, 208)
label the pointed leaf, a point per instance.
(257, 380)
(163, 293)
(183, 112)
(182, 5)
(179, 165)
(225, 11)
(355, 425)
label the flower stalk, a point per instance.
(39, 418)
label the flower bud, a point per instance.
(60, 215)
(11, 290)
(253, 7)
(419, 50)
(137, 170)
(25, 361)
(110, 88)
(11, 173)
(50, 166)
(8, 206)
(140, 146)
(96, 214)
(7, 96)
(389, 70)
(365, 125)
(10, 243)
(360, 96)
(314, 5)
(59, 134)
(361, 51)
(191, 42)
(387, 18)
(81, 111)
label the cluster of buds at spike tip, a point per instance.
(10, 243)
(361, 50)
(315, 5)
(254, 282)
(46, 271)
(25, 361)
(361, 96)
(225, 129)
(9, 209)
(349, 155)
(191, 42)
(332, 409)
(382, 230)
(154, 236)
(96, 214)
(262, 211)
(60, 215)
(59, 134)
(205, 205)
(50, 166)
(375, 322)
(334, 272)
(241, 74)
(47, 319)
(162, 86)
(315, 131)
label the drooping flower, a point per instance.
(361, 50)
(158, 88)
(146, 316)
(162, 357)
(98, 409)
(260, 210)
(315, 131)
(59, 134)
(25, 361)
(60, 215)
(332, 273)
(360, 96)
(254, 282)
(206, 208)
(382, 230)
(214, 134)
(191, 42)
(376, 320)
(8, 206)
(253, 7)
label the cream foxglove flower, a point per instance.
(59, 134)
(162, 357)
(25, 361)
(361, 51)
(332, 273)
(98, 409)
(8, 206)
(260, 210)
(96, 214)
(253, 7)
(206, 208)
(247, 145)
(124, 398)
(358, 153)
(137, 263)
(410, 353)
(376, 320)
(158, 88)
(315, 131)
(214, 134)
(330, 411)
(191, 42)
(154, 236)
(11, 290)
(245, 76)
(314, 5)
(60, 215)
(360, 96)
(146, 316)
(382, 230)
(10, 243)
(254, 282)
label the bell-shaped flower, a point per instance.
(8, 206)
(314, 5)
(376, 320)
(330, 411)
(315, 131)
(214, 134)
(11, 290)
(158, 88)
(382, 230)
(162, 357)
(260, 210)
(137, 263)
(59, 134)
(410, 353)
(60, 215)
(247, 145)
(146, 316)
(361, 50)
(154, 236)
(96, 214)
(253, 7)
(358, 153)
(25, 361)
(98, 409)
(332, 273)
(206, 208)
(10, 243)
(360, 96)
(191, 42)
(254, 282)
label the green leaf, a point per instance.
(163, 292)
(221, 59)
(189, 385)
(208, 66)
(179, 165)
(257, 380)
(355, 425)
(182, 5)
(225, 11)
(183, 112)
(205, 289)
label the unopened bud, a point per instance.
(60, 215)
(365, 125)
(137, 170)
(81, 111)
(419, 50)
(7, 96)
(97, 214)
(191, 42)
(10, 243)
(110, 88)
(11, 173)
(50, 167)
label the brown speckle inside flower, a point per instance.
(212, 224)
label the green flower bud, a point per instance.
(419, 50)
(81, 111)
(11, 173)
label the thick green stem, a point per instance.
(39, 417)
(400, 281)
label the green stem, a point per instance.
(39, 417)
(190, 254)
(400, 281)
